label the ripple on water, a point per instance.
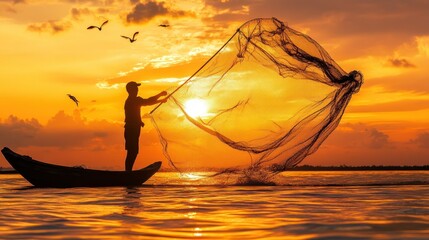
(347, 211)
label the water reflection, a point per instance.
(132, 201)
(151, 211)
(215, 212)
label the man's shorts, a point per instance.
(132, 134)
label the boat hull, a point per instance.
(42, 174)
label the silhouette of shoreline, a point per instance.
(357, 168)
(325, 168)
(302, 168)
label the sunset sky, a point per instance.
(47, 52)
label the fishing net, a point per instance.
(267, 99)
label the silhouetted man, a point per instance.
(133, 121)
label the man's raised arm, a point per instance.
(155, 99)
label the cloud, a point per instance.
(422, 140)
(403, 105)
(8, 5)
(377, 139)
(404, 63)
(364, 144)
(172, 68)
(73, 140)
(13, 1)
(52, 27)
(357, 17)
(360, 136)
(8, 9)
(18, 132)
(353, 28)
(230, 10)
(62, 130)
(232, 5)
(144, 12)
(422, 43)
(93, 2)
(66, 132)
(77, 13)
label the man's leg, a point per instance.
(132, 146)
(131, 158)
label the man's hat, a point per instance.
(132, 85)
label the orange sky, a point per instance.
(46, 53)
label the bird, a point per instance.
(164, 25)
(74, 99)
(99, 28)
(131, 39)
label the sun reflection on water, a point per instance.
(193, 176)
(198, 232)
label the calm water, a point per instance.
(304, 205)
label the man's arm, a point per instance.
(155, 99)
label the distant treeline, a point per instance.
(276, 167)
(356, 168)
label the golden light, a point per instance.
(192, 176)
(196, 107)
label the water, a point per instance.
(304, 205)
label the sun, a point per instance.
(196, 107)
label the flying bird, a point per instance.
(74, 99)
(131, 39)
(99, 28)
(164, 25)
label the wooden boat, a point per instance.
(42, 174)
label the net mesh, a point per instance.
(268, 98)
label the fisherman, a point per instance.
(133, 121)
